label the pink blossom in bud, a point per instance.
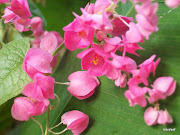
(76, 121)
(123, 63)
(151, 116)
(41, 88)
(21, 8)
(49, 43)
(94, 60)
(164, 117)
(133, 100)
(130, 47)
(21, 107)
(22, 24)
(9, 16)
(37, 26)
(82, 85)
(133, 35)
(4, 1)
(119, 28)
(37, 61)
(165, 85)
(121, 80)
(77, 36)
(172, 3)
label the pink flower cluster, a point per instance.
(102, 33)
(18, 13)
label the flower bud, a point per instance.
(82, 85)
(76, 121)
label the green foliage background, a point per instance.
(108, 109)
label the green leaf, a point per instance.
(108, 109)
(12, 78)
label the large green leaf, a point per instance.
(108, 109)
(12, 78)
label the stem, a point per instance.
(57, 103)
(5, 32)
(38, 124)
(47, 124)
(121, 19)
(55, 126)
(58, 133)
(62, 83)
(58, 49)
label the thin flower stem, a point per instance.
(58, 133)
(62, 83)
(58, 101)
(38, 124)
(56, 126)
(58, 49)
(47, 124)
(121, 19)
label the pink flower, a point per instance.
(37, 26)
(82, 85)
(39, 108)
(22, 24)
(123, 63)
(146, 68)
(41, 88)
(164, 117)
(9, 16)
(130, 47)
(165, 85)
(37, 61)
(133, 35)
(120, 81)
(21, 8)
(77, 36)
(76, 121)
(162, 87)
(151, 116)
(49, 43)
(94, 60)
(155, 95)
(133, 100)
(172, 3)
(119, 28)
(21, 107)
(4, 1)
